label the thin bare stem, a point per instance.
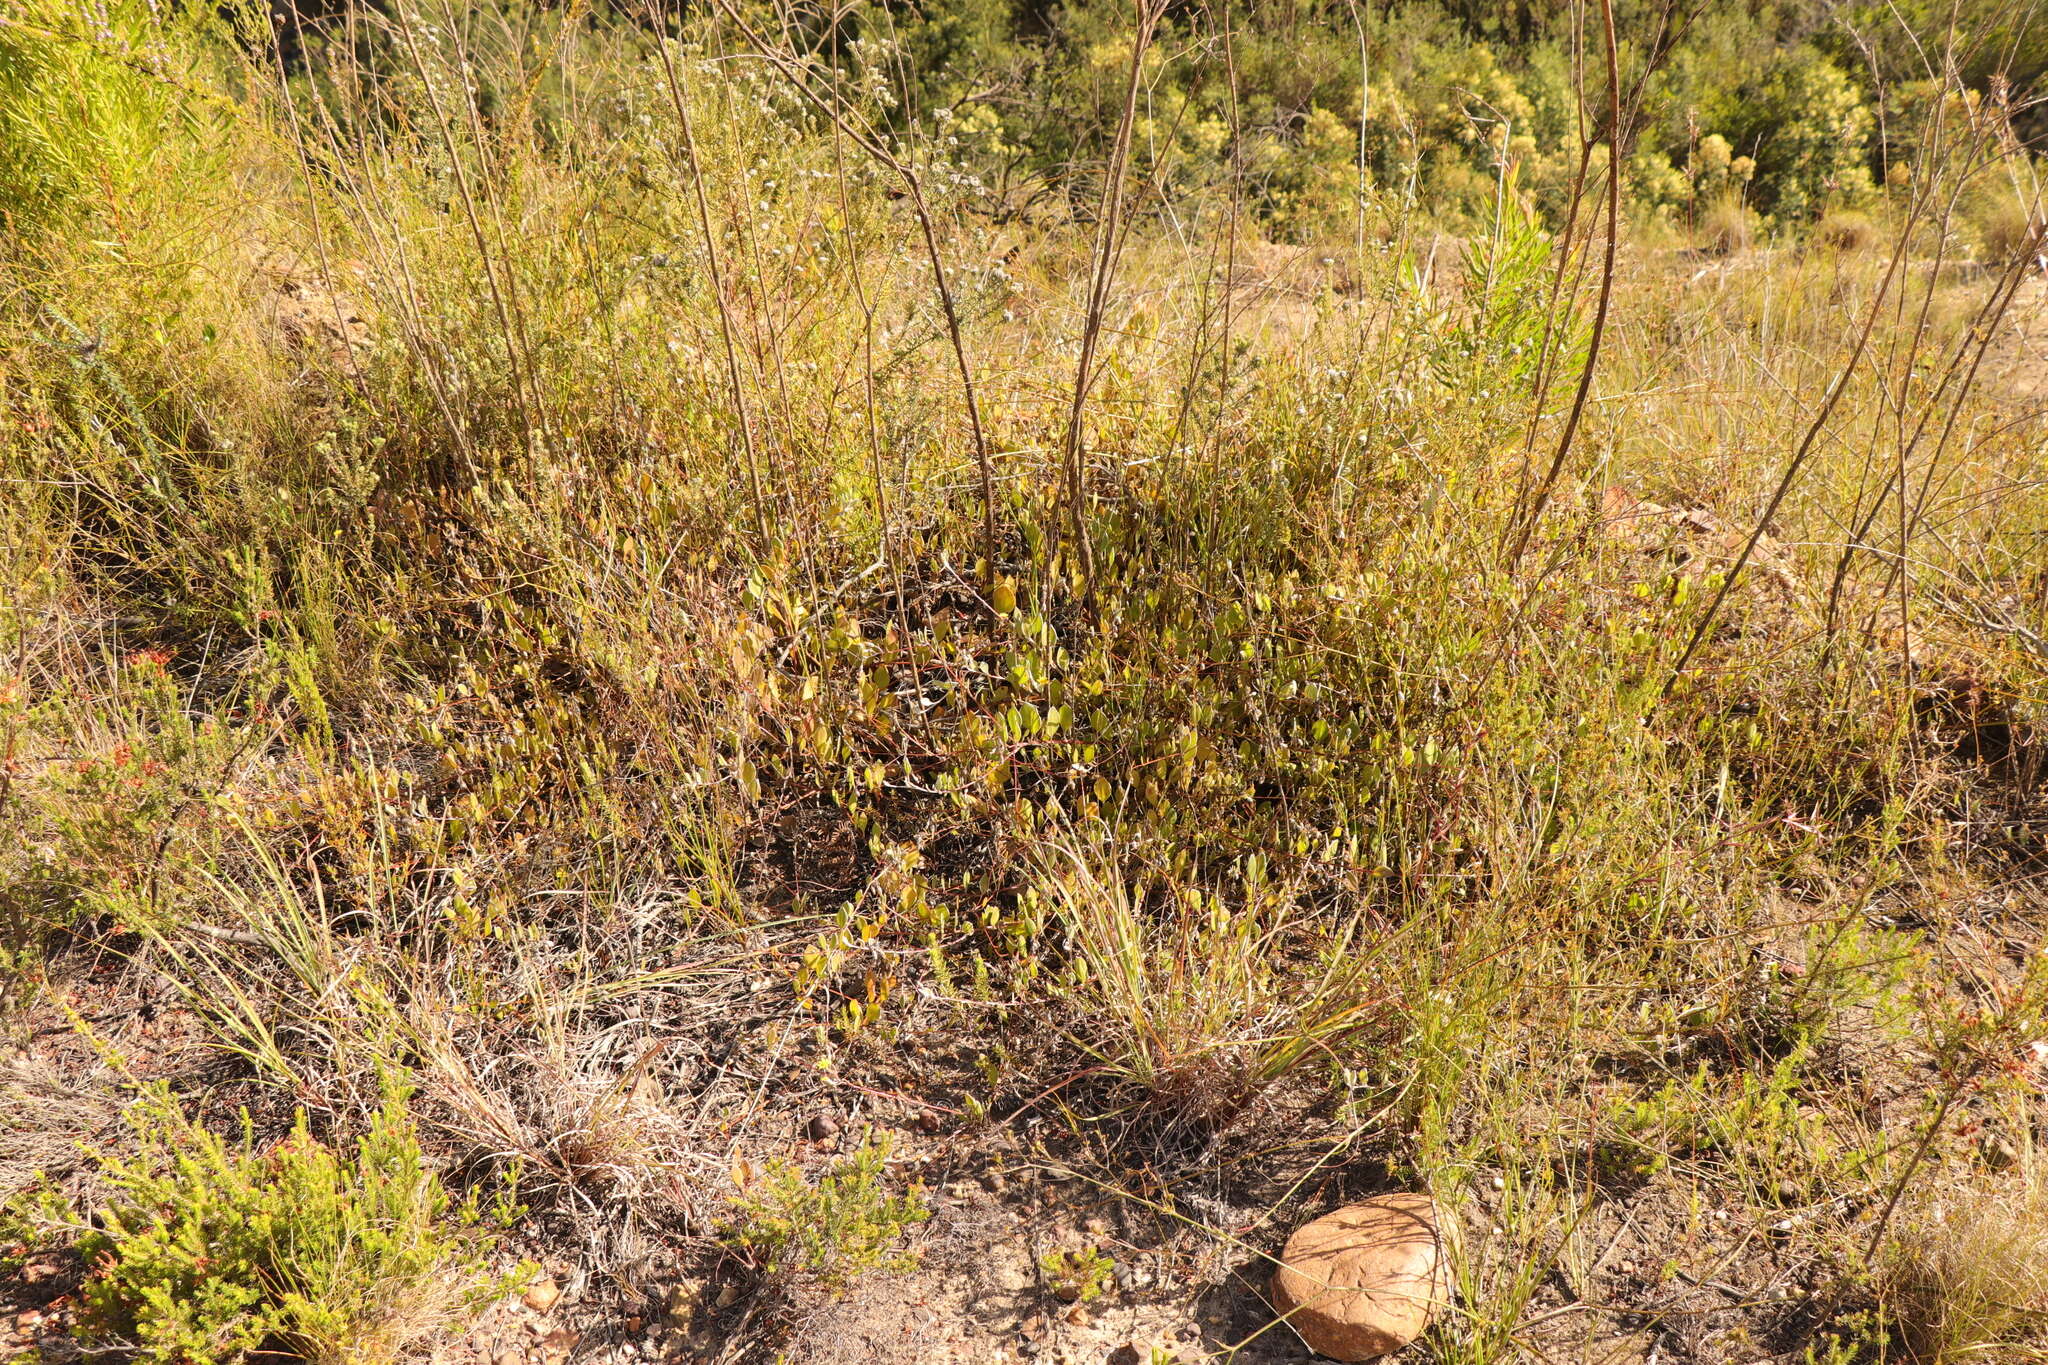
(1107, 240)
(679, 99)
(1798, 460)
(796, 72)
(1571, 425)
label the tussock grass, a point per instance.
(1964, 1278)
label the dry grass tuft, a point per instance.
(1728, 227)
(2010, 229)
(1846, 230)
(1201, 1000)
(1967, 1278)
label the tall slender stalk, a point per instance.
(377, 221)
(796, 72)
(679, 99)
(1973, 346)
(1108, 225)
(521, 382)
(1799, 455)
(1364, 114)
(453, 22)
(1529, 520)
(1229, 260)
(891, 550)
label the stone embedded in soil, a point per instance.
(821, 1127)
(1362, 1282)
(558, 1345)
(542, 1294)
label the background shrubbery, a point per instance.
(1794, 97)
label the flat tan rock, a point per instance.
(541, 1295)
(1362, 1282)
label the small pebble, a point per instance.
(1130, 1278)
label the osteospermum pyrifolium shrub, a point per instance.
(207, 1249)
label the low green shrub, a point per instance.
(94, 104)
(833, 1231)
(208, 1250)
(1078, 1276)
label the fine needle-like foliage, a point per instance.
(203, 1248)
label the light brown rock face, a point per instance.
(1363, 1281)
